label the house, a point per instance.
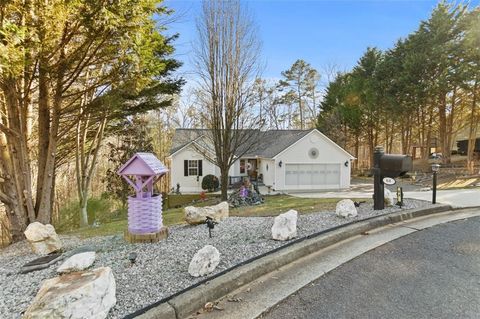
(285, 160)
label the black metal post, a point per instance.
(434, 195)
(378, 187)
(401, 196)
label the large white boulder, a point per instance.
(197, 215)
(389, 199)
(77, 262)
(346, 208)
(42, 238)
(77, 295)
(285, 226)
(204, 261)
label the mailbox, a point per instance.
(387, 165)
(393, 165)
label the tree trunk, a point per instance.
(442, 128)
(16, 213)
(15, 185)
(300, 107)
(83, 212)
(44, 202)
(357, 146)
(86, 161)
(449, 128)
(43, 127)
(224, 182)
(428, 134)
(472, 136)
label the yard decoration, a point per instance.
(244, 197)
(145, 224)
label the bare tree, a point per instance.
(226, 59)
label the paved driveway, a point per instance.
(455, 198)
(432, 273)
(363, 190)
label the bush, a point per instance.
(210, 183)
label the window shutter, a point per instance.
(185, 168)
(200, 168)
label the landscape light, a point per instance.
(435, 169)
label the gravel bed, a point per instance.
(161, 268)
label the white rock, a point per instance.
(77, 262)
(197, 215)
(77, 295)
(388, 198)
(42, 238)
(285, 226)
(346, 208)
(204, 261)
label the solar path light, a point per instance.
(210, 225)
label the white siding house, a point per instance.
(284, 160)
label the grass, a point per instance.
(175, 201)
(273, 206)
(277, 204)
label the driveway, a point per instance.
(454, 197)
(432, 273)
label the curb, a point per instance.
(193, 298)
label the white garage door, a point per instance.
(312, 175)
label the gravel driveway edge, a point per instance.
(193, 298)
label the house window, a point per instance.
(193, 168)
(242, 166)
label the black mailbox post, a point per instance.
(387, 165)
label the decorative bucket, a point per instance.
(145, 214)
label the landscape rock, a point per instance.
(197, 215)
(42, 238)
(77, 295)
(389, 198)
(77, 262)
(346, 208)
(41, 263)
(204, 261)
(285, 226)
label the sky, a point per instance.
(321, 32)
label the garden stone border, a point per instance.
(193, 298)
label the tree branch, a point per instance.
(4, 198)
(5, 129)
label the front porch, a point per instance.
(246, 169)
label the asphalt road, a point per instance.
(434, 273)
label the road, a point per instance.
(434, 273)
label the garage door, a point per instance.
(312, 175)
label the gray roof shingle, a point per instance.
(267, 144)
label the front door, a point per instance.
(252, 169)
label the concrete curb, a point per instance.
(195, 297)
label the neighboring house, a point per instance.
(285, 160)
